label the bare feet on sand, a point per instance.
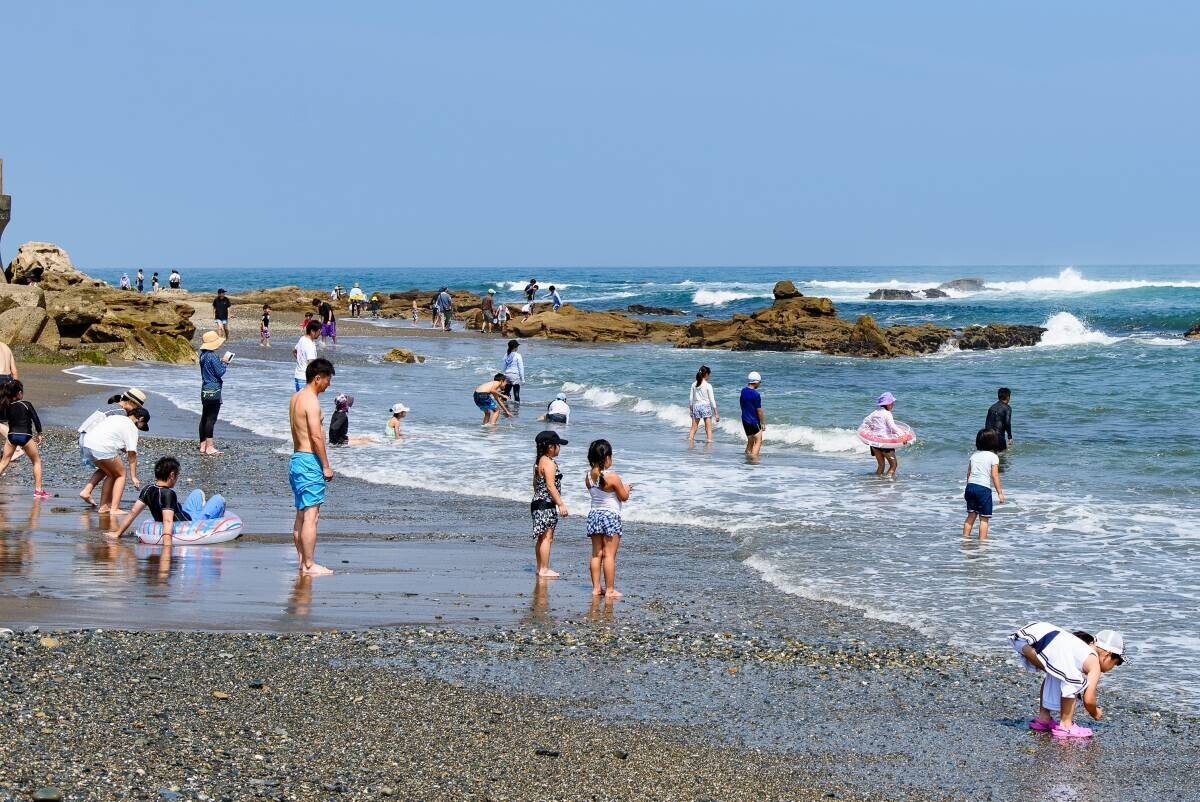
(87, 499)
(109, 511)
(315, 570)
(613, 593)
(597, 591)
(546, 573)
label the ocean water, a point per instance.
(1101, 529)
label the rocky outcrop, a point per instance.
(892, 295)
(403, 355)
(569, 323)
(934, 292)
(1194, 332)
(67, 309)
(963, 285)
(999, 335)
(784, 290)
(639, 309)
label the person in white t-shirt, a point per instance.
(558, 411)
(105, 441)
(702, 405)
(305, 352)
(983, 474)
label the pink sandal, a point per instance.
(1074, 731)
(1037, 725)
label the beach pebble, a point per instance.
(256, 683)
(6, 634)
(47, 795)
(220, 695)
(546, 752)
(50, 643)
(31, 630)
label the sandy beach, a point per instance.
(433, 666)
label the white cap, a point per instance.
(560, 397)
(753, 378)
(397, 408)
(1110, 641)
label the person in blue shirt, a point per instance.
(753, 421)
(555, 298)
(212, 372)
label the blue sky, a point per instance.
(377, 134)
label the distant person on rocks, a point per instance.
(125, 281)
(547, 506)
(555, 299)
(702, 405)
(754, 423)
(514, 370)
(212, 381)
(391, 429)
(154, 283)
(264, 328)
(983, 475)
(488, 306)
(356, 300)
(557, 411)
(8, 365)
(531, 289)
(309, 471)
(999, 419)
(305, 352)
(140, 280)
(221, 306)
(175, 280)
(121, 404)
(104, 442)
(416, 313)
(1073, 664)
(502, 318)
(24, 432)
(608, 493)
(445, 307)
(435, 312)
(162, 501)
(489, 397)
(375, 304)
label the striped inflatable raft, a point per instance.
(875, 440)
(193, 533)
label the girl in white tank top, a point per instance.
(608, 493)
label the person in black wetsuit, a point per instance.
(999, 419)
(339, 423)
(22, 420)
(162, 501)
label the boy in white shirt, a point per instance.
(305, 352)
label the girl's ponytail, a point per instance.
(701, 374)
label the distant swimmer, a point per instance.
(1073, 664)
(702, 405)
(754, 422)
(489, 397)
(999, 419)
(983, 476)
(309, 471)
(557, 411)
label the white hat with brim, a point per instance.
(399, 409)
(1110, 641)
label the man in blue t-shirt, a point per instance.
(753, 421)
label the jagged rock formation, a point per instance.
(1194, 332)
(999, 335)
(51, 304)
(639, 309)
(403, 355)
(569, 323)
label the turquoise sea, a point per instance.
(1102, 526)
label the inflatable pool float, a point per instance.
(874, 440)
(193, 533)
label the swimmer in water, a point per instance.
(391, 429)
(339, 423)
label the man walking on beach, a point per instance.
(221, 306)
(305, 352)
(753, 420)
(445, 305)
(309, 471)
(999, 419)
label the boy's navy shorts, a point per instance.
(979, 499)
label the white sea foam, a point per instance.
(1072, 281)
(722, 297)
(1063, 328)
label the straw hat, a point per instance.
(211, 341)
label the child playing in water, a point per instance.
(22, 420)
(983, 474)
(489, 397)
(391, 430)
(547, 505)
(339, 423)
(608, 492)
(264, 328)
(881, 423)
(164, 506)
(1073, 664)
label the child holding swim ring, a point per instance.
(547, 505)
(983, 474)
(608, 492)
(1073, 664)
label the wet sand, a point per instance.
(713, 683)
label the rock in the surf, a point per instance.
(1194, 332)
(999, 335)
(963, 285)
(640, 309)
(403, 355)
(892, 295)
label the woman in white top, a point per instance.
(702, 405)
(105, 441)
(608, 492)
(514, 370)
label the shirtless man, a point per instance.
(489, 397)
(309, 469)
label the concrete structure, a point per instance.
(5, 210)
